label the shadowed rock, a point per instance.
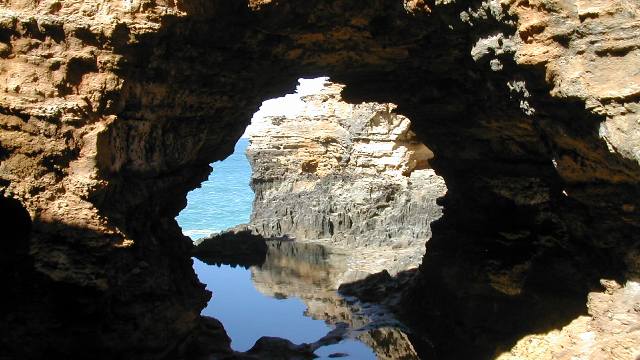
(232, 247)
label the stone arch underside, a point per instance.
(112, 111)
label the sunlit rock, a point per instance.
(353, 176)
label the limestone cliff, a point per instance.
(111, 111)
(352, 175)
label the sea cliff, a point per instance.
(352, 176)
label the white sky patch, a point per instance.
(290, 105)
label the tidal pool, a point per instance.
(292, 295)
(247, 314)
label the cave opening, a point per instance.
(342, 191)
(532, 108)
(513, 239)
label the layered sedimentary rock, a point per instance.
(111, 111)
(354, 176)
(100, 280)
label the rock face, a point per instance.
(354, 176)
(597, 336)
(111, 111)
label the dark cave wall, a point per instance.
(102, 155)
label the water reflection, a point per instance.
(248, 315)
(293, 295)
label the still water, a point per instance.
(291, 296)
(224, 200)
(257, 302)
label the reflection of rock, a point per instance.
(300, 267)
(312, 273)
(354, 175)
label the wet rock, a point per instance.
(276, 348)
(208, 341)
(232, 247)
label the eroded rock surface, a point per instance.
(609, 332)
(352, 176)
(111, 111)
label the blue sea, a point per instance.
(223, 201)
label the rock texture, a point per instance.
(232, 248)
(111, 111)
(611, 332)
(354, 176)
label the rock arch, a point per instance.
(534, 129)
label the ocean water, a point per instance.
(224, 200)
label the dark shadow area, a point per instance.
(39, 317)
(135, 304)
(521, 243)
(16, 224)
